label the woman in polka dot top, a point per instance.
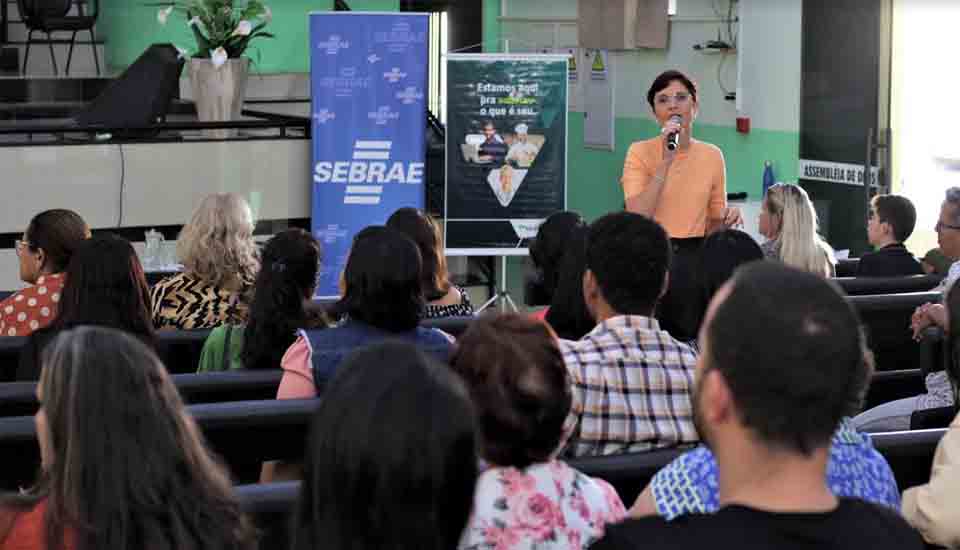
(44, 252)
(104, 286)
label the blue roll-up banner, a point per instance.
(368, 75)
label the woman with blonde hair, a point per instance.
(220, 262)
(789, 222)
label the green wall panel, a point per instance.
(129, 28)
(491, 25)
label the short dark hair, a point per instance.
(549, 246)
(899, 212)
(105, 286)
(665, 79)
(59, 233)
(382, 280)
(394, 429)
(791, 350)
(423, 230)
(629, 255)
(720, 255)
(515, 372)
(288, 273)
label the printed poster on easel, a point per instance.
(506, 150)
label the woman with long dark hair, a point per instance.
(547, 252)
(443, 299)
(568, 314)
(44, 251)
(283, 289)
(123, 464)
(391, 461)
(382, 299)
(105, 286)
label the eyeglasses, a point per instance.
(679, 98)
(941, 226)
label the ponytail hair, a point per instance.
(288, 274)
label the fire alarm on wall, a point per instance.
(743, 124)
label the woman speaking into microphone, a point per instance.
(681, 183)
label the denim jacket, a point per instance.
(329, 347)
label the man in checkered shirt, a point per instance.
(631, 381)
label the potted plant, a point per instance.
(218, 69)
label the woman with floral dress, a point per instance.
(526, 498)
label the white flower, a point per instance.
(267, 15)
(244, 28)
(163, 14)
(219, 57)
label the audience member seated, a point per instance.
(547, 251)
(782, 362)
(220, 264)
(123, 464)
(516, 376)
(382, 299)
(891, 222)
(935, 261)
(690, 484)
(948, 237)
(44, 251)
(934, 508)
(391, 461)
(281, 306)
(443, 299)
(789, 222)
(631, 381)
(720, 255)
(104, 286)
(940, 385)
(568, 314)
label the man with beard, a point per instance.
(782, 362)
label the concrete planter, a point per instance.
(219, 91)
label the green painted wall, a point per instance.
(491, 26)
(129, 28)
(374, 5)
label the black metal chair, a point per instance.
(49, 16)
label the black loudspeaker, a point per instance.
(141, 95)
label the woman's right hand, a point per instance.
(668, 128)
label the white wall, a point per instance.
(770, 57)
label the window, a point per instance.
(437, 78)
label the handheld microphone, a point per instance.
(673, 138)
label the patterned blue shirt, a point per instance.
(689, 484)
